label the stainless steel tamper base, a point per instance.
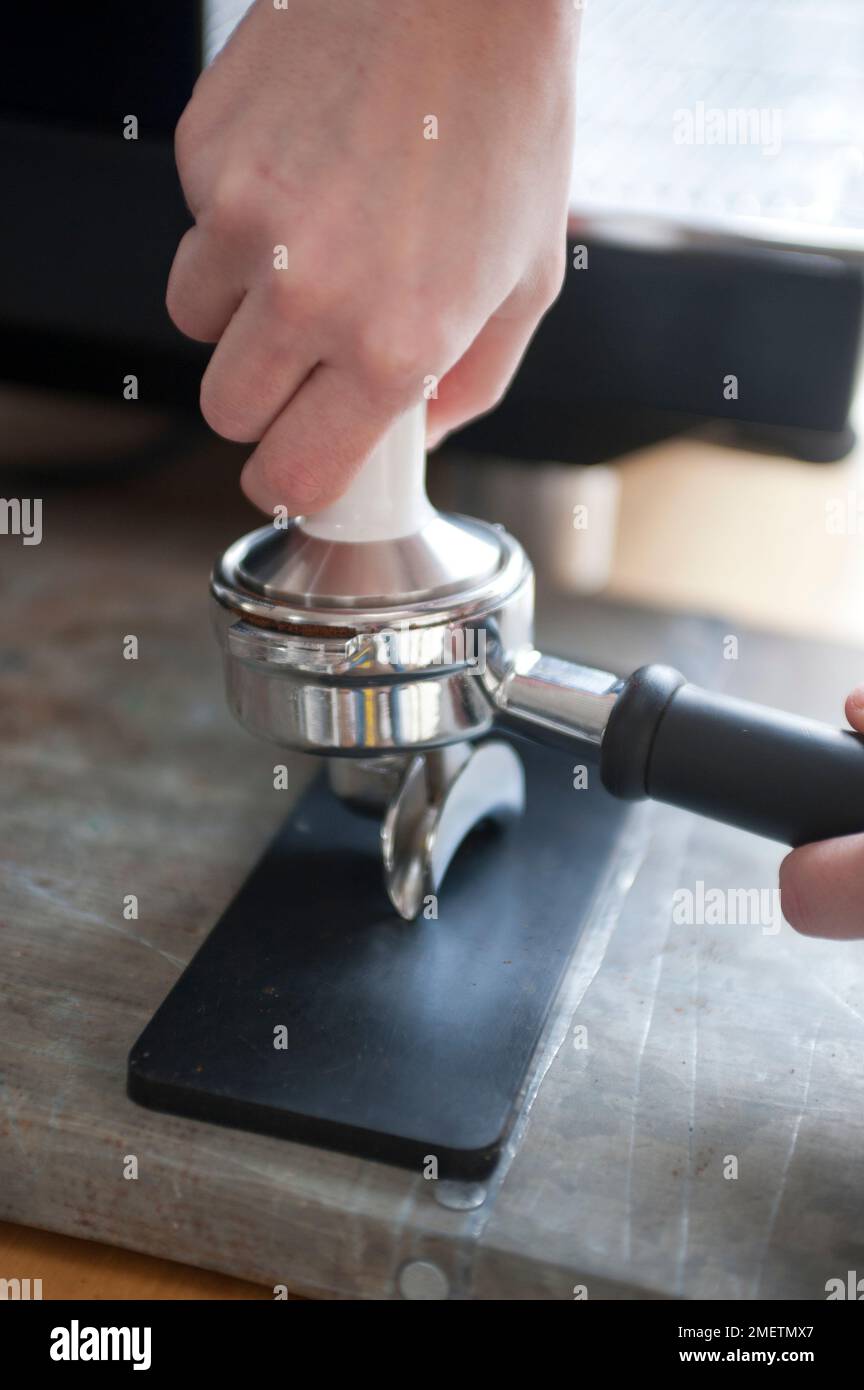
(376, 654)
(373, 671)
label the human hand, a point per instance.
(406, 257)
(822, 885)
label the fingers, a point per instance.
(822, 888)
(822, 885)
(203, 291)
(259, 364)
(319, 441)
(480, 378)
(855, 708)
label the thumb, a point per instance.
(855, 708)
(822, 888)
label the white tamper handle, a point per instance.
(387, 499)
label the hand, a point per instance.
(407, 257)
(822, 885)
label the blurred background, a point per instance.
(691, 395)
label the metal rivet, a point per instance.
(459, 1196)
(422, 1280)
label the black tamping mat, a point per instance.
(314, 1013)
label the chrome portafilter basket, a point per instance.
(394, 640)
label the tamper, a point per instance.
(394, 640)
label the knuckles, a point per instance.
(234, 205)
(224, 417)
(492, 396)
(183, 314)
(395, 355)
(187, 143)
(299, 482)
(550, 278)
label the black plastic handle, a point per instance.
(776, 774)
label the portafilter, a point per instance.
(394, 640)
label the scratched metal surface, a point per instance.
(129, 777)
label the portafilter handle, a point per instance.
(776, 774)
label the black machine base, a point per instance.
(314, 1013)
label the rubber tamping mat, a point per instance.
(314, 1013)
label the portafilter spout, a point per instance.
(381, 631)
